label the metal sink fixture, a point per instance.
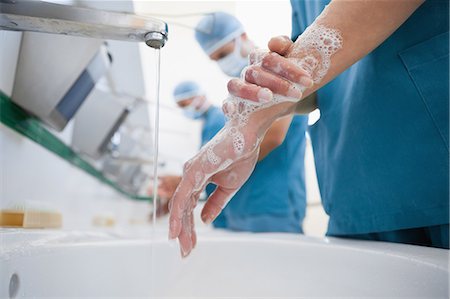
(45, 17)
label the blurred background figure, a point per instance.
(222, 37)
(192, 100)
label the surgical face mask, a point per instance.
(234, 63)
(196, 109)
(191, 112)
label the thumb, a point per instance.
(280, 44)
(215, 203)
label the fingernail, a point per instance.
(208, 219)
(258, 55)
(244, 71)
(183, 253)
(172, 233)
(285, 38)
(306, 81)
(250, 73)
(265, 95)
(294, 92)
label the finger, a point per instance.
(257, 55)
(285, 68)
(193, 234)
(248, 91)
(178, 206)
(185, 237)
(277, 84)
(280, 44)
(215, 203)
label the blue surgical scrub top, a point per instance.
(273, 199)
(381, 145)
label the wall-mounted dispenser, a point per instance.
(56, 73)
(96, 122)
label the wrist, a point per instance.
(313, 49)
(264, 118)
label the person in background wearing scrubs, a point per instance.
(192, 100)
(259, 209)
(381, 144)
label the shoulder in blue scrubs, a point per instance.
(381, 145)
(273, 199)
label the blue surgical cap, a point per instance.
(185, 90)
(216, 29)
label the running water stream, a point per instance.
(156, 137)
(155, 166)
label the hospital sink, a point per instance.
(239, 265)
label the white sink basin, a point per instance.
(223, 265)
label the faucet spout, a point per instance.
(40, 16)
(155, 40)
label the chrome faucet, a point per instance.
(39, 16)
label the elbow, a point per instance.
(278, 141)
(269, 144)
(274, 141)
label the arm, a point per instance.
(275, 136)
(307, 105)
(272, 89)
(357, 26)
(277, 132)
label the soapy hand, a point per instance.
(272, 88)
(227, 160)
(283, 70)
(230, 157)
(282, 75)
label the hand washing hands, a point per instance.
(270, 88)
(230, 157)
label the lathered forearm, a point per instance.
(345, 32)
